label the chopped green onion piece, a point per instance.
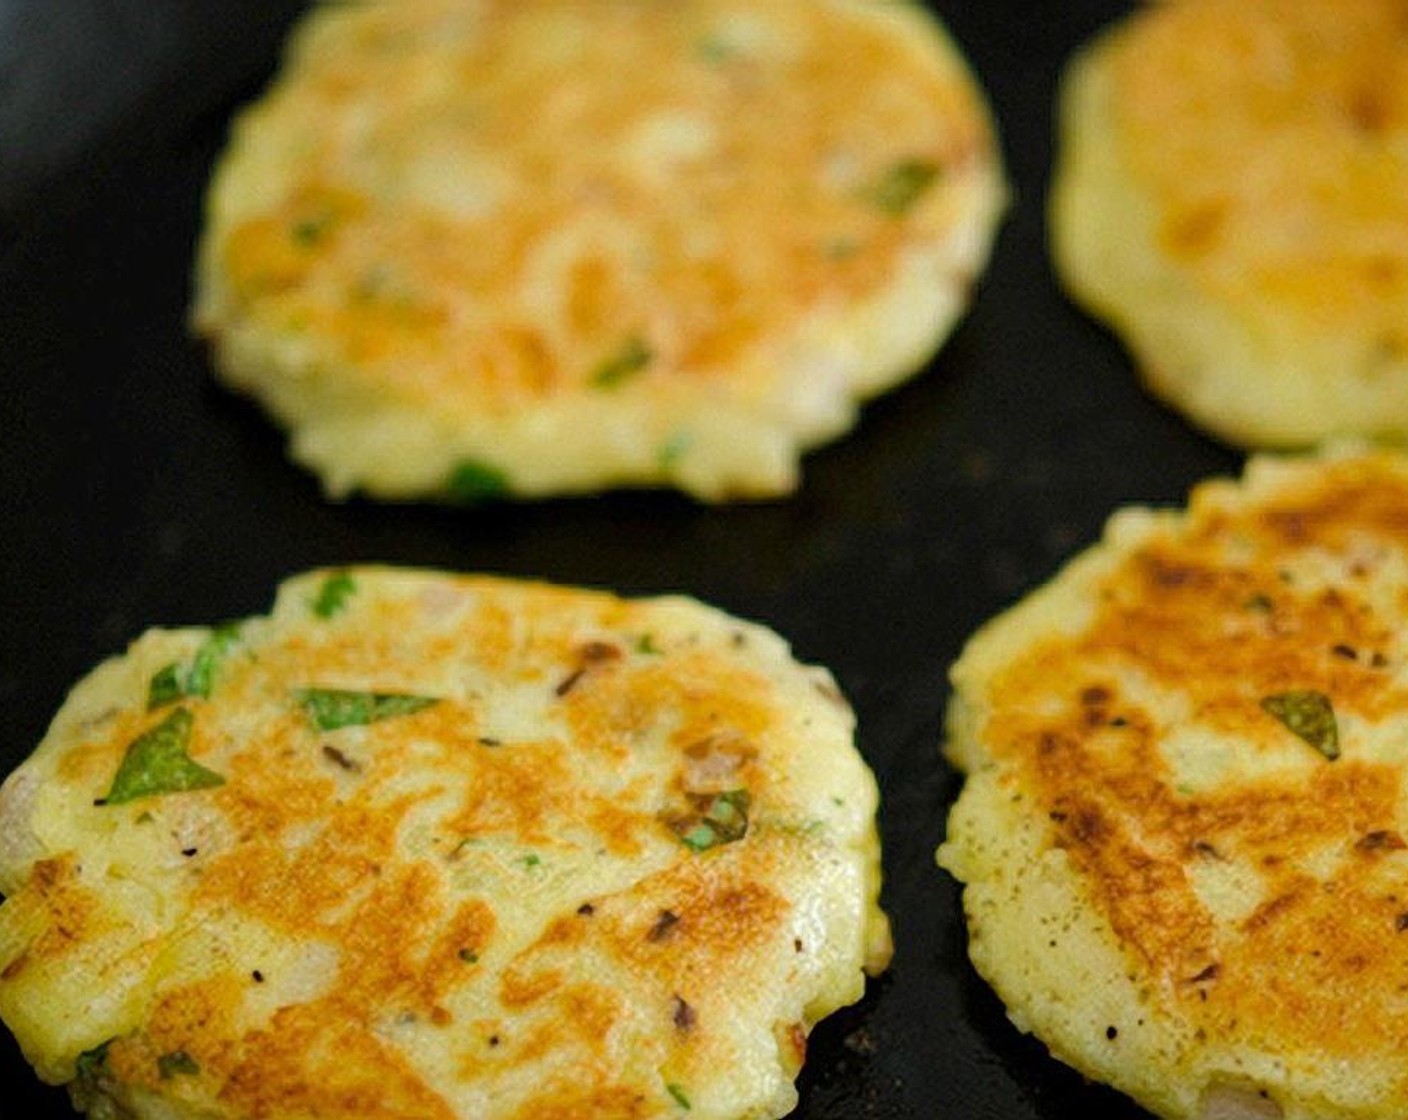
(333, 595)
(472, 482)
(840, 248)
(1309, 715)
(729, 813)
(178, 1061)
(673, 449)
(701, 837)
(170, 683)
(309, 231)
(720, 819)
(157, 762)
(714, 49)
(90, 1062)
(677, 1092)
(633, 357)
(202, 675)
(900, 187)
(165, 687)
(331, 708)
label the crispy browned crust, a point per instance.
(662, 218)
(1253, 877)
(489, 906)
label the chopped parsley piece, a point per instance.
(633, 357)
(677, 1092)
(1309, 715)
(720, 818)
(331, 708)
(176, 1062)
(157, 762)
(469, 956)
(472, 481)
(646, 644)
(333, 595)
(532, 860)
(900, 187)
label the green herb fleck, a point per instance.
(677, 1092)
(170, 683)
(531, 860)
(673, 449)
(157, 762)
(469, 956)
(646, 644)
(202, 675)
(1259, 602)
(719, 818)
(309, 231)
(840, 248)
(331, 708)
(92, 1062)
(165, 687)
(472, 482)
(633, 357)
(145, 817)
(333, 595)
(714, 49)
(176, 1062)
(371, 283)
(700, 837)
(1309, 715)
(900, 186)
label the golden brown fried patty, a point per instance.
(1232, 197)
(1184, 833)
(432, 847)
(530, 246)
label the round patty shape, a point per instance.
(430, 847)
(1184, 831)
(1232, 198)
(521, 247)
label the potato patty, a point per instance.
(1232, 198)
(1182, 834)
(430, 847)
(521, 247)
